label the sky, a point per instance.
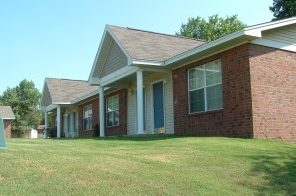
(60, 38)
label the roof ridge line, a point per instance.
(67, 79)
(166, 34)
(154, 32)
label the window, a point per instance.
(205, 87)
(112, 111)
(87, 117)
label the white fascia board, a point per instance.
(97, 54)
(274, 44)
(50, 107)
(147, 62)
(7, 118)
(272, 25)
(154, 69)
(62, 103)
(253, 34)
(116, 75)
(55, 105)
(205, 47)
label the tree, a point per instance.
(23, 99)
(210, 30)
(283, 9)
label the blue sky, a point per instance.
(60, 38)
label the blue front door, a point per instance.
(158, 105)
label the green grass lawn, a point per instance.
(148, 166)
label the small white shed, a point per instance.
(34, 133)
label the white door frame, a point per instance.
(152, 103)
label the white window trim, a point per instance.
(117, 95)
(89, 128)
(205, 89)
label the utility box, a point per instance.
(2, 136)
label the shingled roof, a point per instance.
(65, 90)
(6, 112)
(147, 45)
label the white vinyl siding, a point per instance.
(115, 60)
(283, 38)
(285, 34)
(46, 98)
(205, 87)
(168, 103)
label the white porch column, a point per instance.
(58, 121)
(46, 119)
(140, 101)
(66, 128)
(102, 112)
(46, 124)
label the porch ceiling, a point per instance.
(125, 82)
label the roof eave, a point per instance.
(273, 24)
(215, 46)
(243, 36)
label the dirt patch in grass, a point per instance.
(160, 157)
(2, 177)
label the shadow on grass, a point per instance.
(278, 171)
(125, 138)
(138, 138)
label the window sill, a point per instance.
(205, 112)
(112, 126)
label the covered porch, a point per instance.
(61, 120)
(149, 100)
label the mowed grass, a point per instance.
(148, 166)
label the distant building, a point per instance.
(7, 115)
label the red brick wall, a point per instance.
(235, 119)
(273, 76)
(7, 128)
(95, 118)
(237, 99)
(203, 124)
(121, 129)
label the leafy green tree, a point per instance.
(283, 9)
(23, 99)
(212, 29)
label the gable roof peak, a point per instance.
(65, 90)
(65, 79)
(6, 112)
(148, 45)
(154, 32)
